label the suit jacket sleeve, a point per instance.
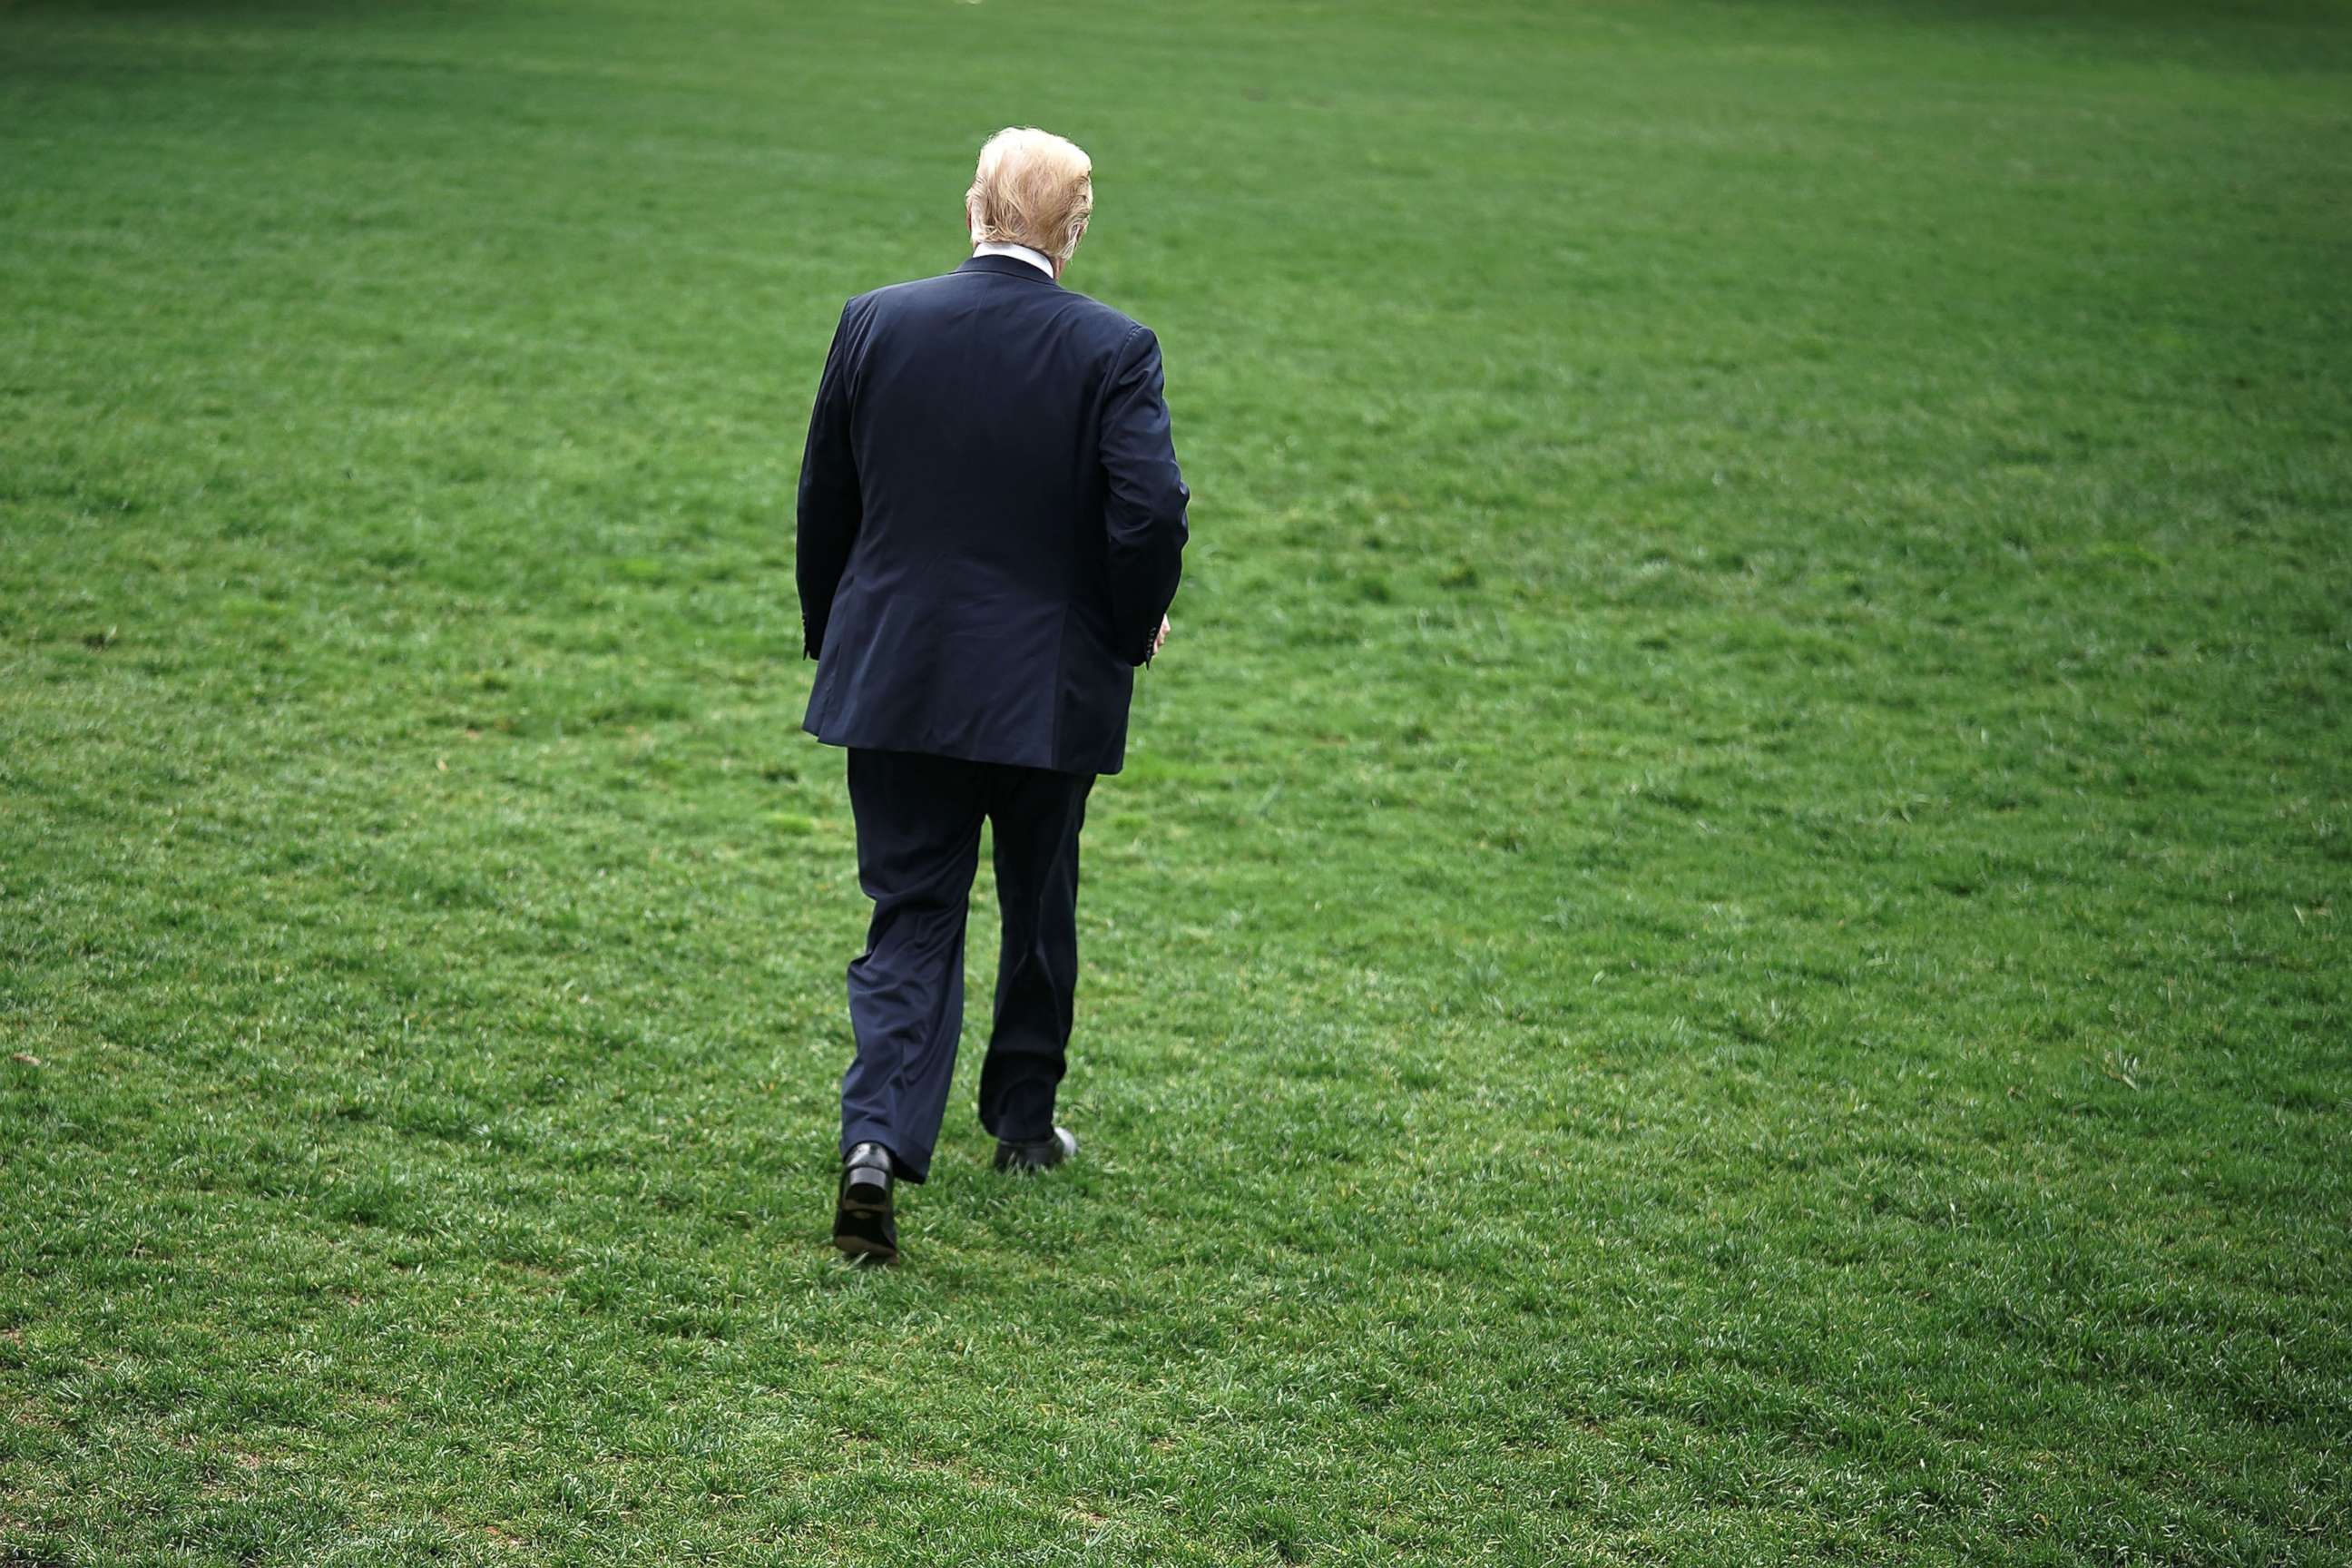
(1147, 498)
(830, 507)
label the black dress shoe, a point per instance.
(863, 1225)
(1036, 1153)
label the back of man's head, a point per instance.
(1031, 188)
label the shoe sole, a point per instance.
(855, 1246)
(858, 1246)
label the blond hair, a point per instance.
(1031, 188)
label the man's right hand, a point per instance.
(1161, 640)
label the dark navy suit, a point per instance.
(991, 524)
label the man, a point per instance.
(992, 526)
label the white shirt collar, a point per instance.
(1037, 259)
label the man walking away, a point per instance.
(992, 527)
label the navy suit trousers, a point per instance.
(919, 821)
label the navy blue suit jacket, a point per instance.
(991, 522)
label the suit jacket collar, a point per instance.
(1006, 267)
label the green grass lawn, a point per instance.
(1723, 937)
